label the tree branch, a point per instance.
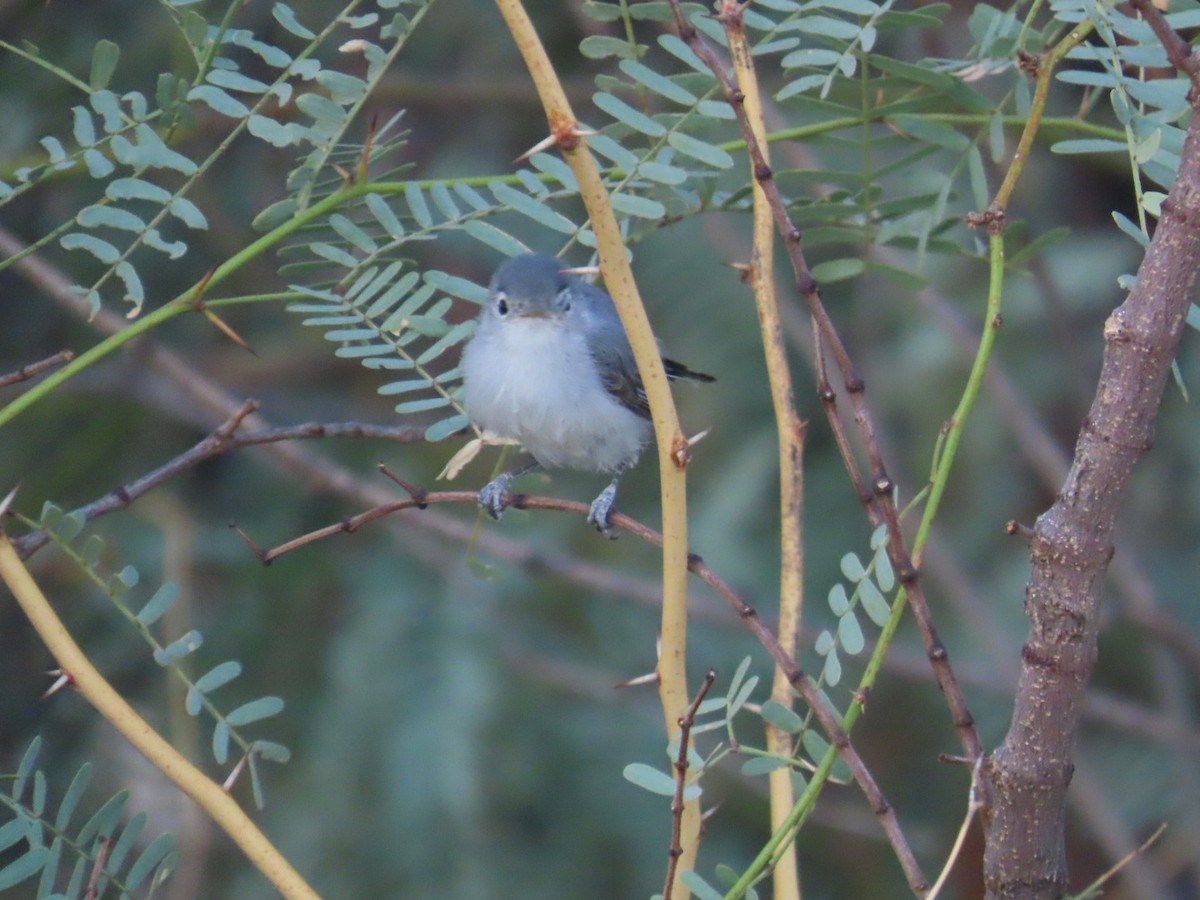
(1071, 548)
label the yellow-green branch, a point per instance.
(672, 445)
(112, 706)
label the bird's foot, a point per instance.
(493, 499)
(601, 507)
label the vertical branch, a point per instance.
(880, 502)
(686, 721)
(672, 445)
(1071, 545)
(790, 431)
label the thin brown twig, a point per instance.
(825, 714)
(882, 507)
(686, 721)
(26, 372)
(222, 440)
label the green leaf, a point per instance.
(178, 648)
(627, 115)
(650, 779)
(98, 165)
(762, 765)
(109, 217)
(444, 201)
(275, 215)
(838, 270)
(531, 208)
(14, 831)
(136, 189)
(284, 16)
(417, 205)
(102, 250)
(218, 101)
(262, 708)
(218, 676)
(456, 287)
(493, 237)
(823, 643)
(455, 335)
(71, 798)
(353, 234)
(418, 406)
(333, 254)
(1089, 145)
(104, 820)
(698, 886)
(743, 694)
(839, 603)
(698, 149)
(274, 133)
(188, 213)
(129, 835)
(149, 858)
(158, 604)
(850, 633)
(884, 574)
(84, 130)
(832, 671)
(660, 84)
(661, 173)
(599, 46)
(781, 717)
(874, 604)
(443, 429)
(642, 207)
(220, 742)
(271, 751)
(45, 887)
(24, 867)
(683, 53)
(852, 568)
(384, 216)
(932, 132)
(105, 56)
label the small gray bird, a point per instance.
(550, 367)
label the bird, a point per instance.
(550, 367)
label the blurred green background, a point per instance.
(455, 736)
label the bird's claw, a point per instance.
(493, 498)
(599, 513)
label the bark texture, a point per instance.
(1028, 774)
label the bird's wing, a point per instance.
(614, 357)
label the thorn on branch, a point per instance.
(62, 679)
(263, 556)
(1016, 529)
(418, 494)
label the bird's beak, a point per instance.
(535, 314)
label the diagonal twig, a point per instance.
(826, 715)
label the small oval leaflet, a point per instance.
(262, 708)
(650, 779)
(158, 604)
(178, 649)
(781, 717)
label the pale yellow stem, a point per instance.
(92, 686)
(790, 430)
(672, 446)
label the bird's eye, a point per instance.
(502, 305)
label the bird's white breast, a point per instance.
(534, 381)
